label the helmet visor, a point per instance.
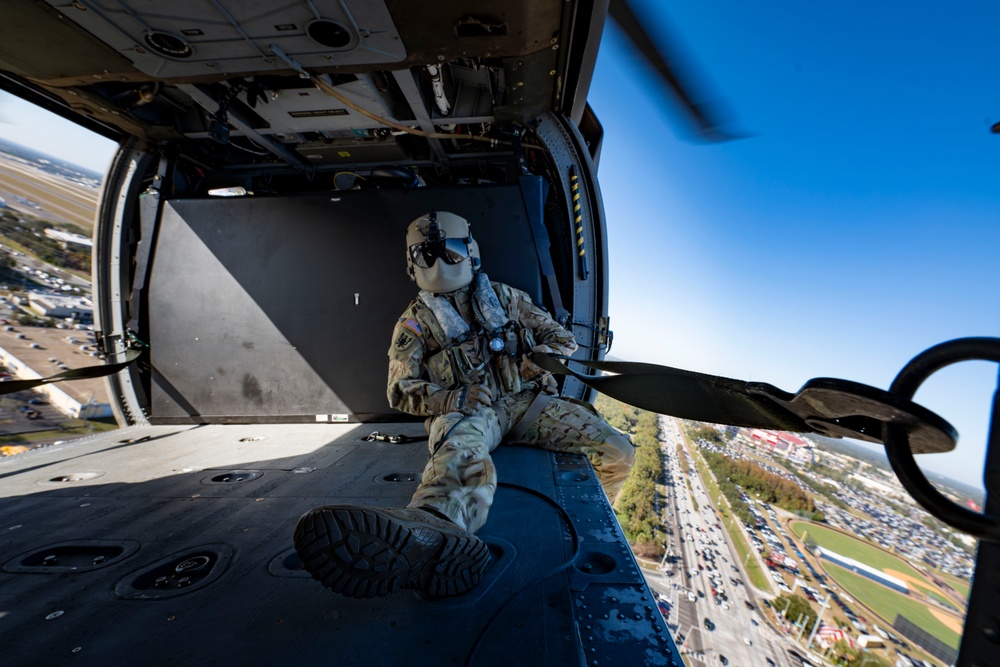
(451, 251)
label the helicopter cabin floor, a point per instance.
(173, 545)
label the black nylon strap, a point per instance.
(149, 214)
(84, 373)
(528, 418)
(827, 406)
(680, 393)
(533, 194)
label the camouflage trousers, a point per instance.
(460, 479)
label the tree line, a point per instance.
(753, 479)
(728, 488)
(636, 503)
(31, 234)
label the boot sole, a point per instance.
(363, 552)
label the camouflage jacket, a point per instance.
(423, 366)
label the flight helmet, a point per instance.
(441, 255)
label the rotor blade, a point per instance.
(701, 113)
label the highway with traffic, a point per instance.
(716, 617)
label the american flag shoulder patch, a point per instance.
(412, 325)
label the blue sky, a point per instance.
(26, 124)
(858, 222)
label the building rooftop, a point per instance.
(66, 237)
(61, 300)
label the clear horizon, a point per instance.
(51, 157)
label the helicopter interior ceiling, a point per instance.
(290, 100)
(301, 85)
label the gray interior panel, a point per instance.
(241, 330)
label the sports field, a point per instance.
(866, 553)
(882, 600)
(887, 603)
(960, 585)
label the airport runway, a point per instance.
(59, 199)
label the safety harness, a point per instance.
(485, 305)
(468, 349)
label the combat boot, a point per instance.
(366, 552)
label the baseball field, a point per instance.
(887, 603)
(880, 599)
(964, 588)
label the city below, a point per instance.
(850, 571)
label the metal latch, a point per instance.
(394, 439)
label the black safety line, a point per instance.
(87, 372)
(533, 194)
(532, 585)
(827, 406)
(899, 448)
(680, 393)
(149, 215)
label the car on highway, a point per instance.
(746, 640)
(723, 659)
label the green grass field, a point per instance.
(960, 585)
(887, 603)
(72, 427)
(861, 551)
(947, 602)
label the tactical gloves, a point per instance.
(531, 372)
(467, 399)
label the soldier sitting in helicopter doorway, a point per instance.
(460, 355)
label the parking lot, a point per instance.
(47, 351)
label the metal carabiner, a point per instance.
(385, 437)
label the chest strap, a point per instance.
(486, 308)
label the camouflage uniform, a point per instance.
(459, 479)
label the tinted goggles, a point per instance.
(451, 251)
